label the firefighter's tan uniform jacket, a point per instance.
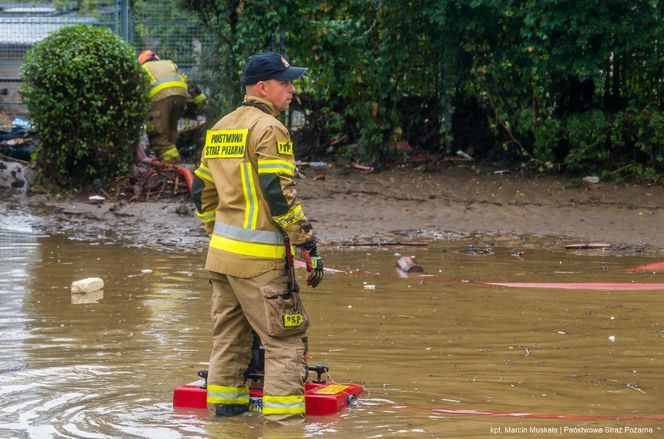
(165, 80)
(245, 196)
(249, 197)
(168, 91)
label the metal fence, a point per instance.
(170, 32)
(153, 24)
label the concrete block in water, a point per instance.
(87, 285)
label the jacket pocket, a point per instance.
(284, 312)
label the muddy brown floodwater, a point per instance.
(440, 356)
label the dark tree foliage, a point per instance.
(240, 29)
(556, 85)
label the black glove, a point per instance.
(314, 263)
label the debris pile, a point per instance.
(146, 183)
(17, 142)
(17, 138)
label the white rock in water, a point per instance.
(87, 285)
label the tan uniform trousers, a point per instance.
(163, 127)
(238, 305)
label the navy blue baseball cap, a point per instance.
(270, 65)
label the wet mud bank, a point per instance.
(347, 206)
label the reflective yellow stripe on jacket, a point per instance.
(258, 243)
(276, 167)
(204, 173)
(171, 81)
(163, 83)
(250, 198)
(291, 217)
(227, 395)
(276, 405)
(206, 217)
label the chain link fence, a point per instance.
(146, 24)
(171, 33)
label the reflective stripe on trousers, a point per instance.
(227, 395)
(277, 405)
(170, 154)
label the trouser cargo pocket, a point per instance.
(284, 312)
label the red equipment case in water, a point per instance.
(319, 398)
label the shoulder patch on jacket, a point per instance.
(285, 148)
(225, 144)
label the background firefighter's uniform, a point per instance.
(245, 195)
(170, 94)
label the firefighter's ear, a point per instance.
(262, 88)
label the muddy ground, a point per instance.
(455, 200)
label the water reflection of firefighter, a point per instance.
(171, 96)
(245, 196)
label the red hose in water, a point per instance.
(657, 266)
(183, 171)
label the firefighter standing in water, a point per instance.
(170, 95)
(245, 196)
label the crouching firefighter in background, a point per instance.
(245, 196)
(170, 95)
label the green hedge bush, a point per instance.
(88, 98)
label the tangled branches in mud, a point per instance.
(148, 183)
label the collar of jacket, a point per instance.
(270, 106)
